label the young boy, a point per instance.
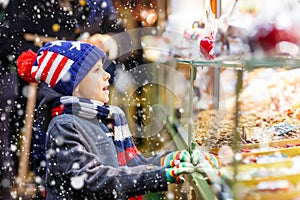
(90, 151)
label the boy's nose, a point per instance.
(107, 75)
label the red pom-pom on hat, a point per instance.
(25, 62)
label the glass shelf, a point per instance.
(242, 63)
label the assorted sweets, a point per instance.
(215, 128)
(266, 175)
(268, 136)
(264, 183)
(263, 171)
(268, 114)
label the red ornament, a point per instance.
(206, 47)
(25, 62)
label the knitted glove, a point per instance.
(205, 162)
(213, 161)
(174, 174)
(211, 166)
(197, 156)
(174, 158)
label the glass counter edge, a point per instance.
(243, 63)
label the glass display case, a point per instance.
(254, 157)
(166, 94)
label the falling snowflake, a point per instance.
(77, 182)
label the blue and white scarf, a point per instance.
(89, 109)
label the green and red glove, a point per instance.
(174, 174)
(177, 163)
(205, 162)
(174, 158)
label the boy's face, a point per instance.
(94, 85)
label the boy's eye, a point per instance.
(98, 69)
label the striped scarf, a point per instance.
(89, 109)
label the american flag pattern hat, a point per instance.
(62, 64)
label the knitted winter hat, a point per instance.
(60, 64)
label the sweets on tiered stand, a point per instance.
(269, 32)
(203, 31)
(188, 24)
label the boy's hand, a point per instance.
(208, 164)
(199, 157)
(174, 158)
(174, 174)
(205, 163)
(213, 161)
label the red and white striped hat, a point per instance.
(60, 64)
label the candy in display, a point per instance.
(206, 47)
(273, 185)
